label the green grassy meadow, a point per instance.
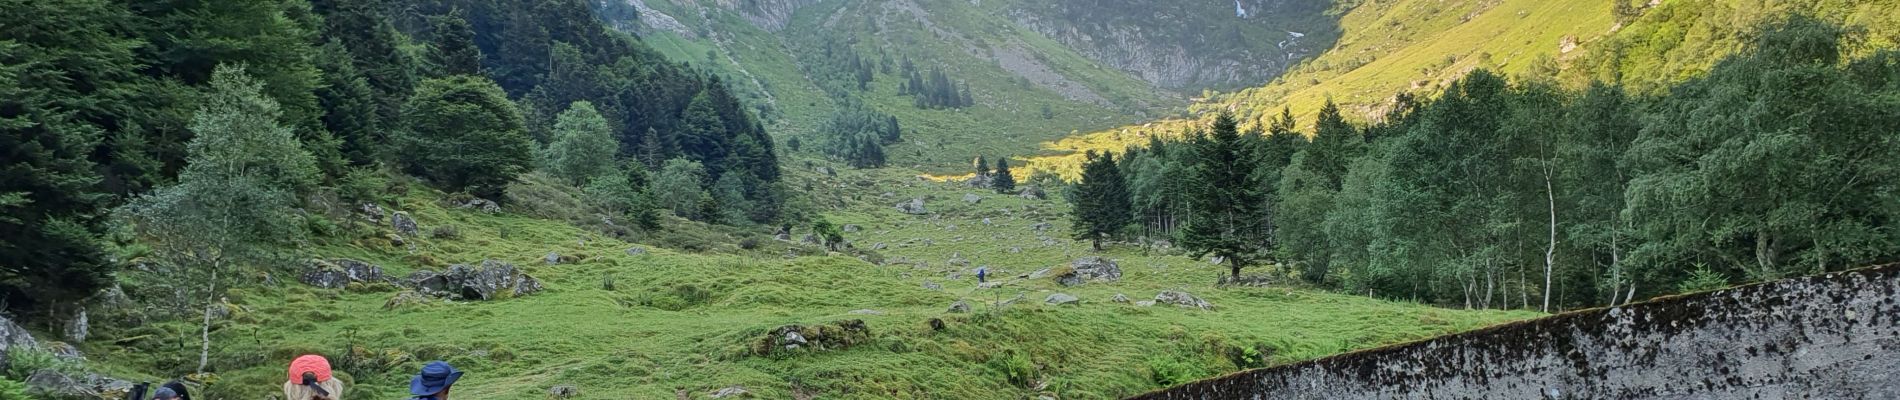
(681, 323)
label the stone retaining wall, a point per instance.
(1835, 336)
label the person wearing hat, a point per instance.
(434, 381)
(165, 393)
(310, 379)
(177, 389)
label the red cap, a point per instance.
(309, 363)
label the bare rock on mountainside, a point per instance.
(913, 207)
(972, 198)
(979, 181)
(1062, 299)
(481, 204)
(1033, 192)
(1119, 298)
(635, 251)
(730, 391)
(1182, 299)
(404, 224)
(13, 335)
(959, 307)
(564, 391)
(78, 327)
(1097, 268)
(374, 213)
(338, 273)
(464, 282)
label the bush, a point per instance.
(1703, 279)
(12, 390)
(1170, 372)
(1015, 367)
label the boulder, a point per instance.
(1033, 192)
(483, 205)
(913, 207)
(959, 307)
(990, 285)
(852, 228)
(636, 251)
(1069, 278)
(552, 258)
(13, 335)
(1062, 299)
(465, 282)
(980, 181)
(404, 224)
(928, 285)
(1096, 268)
(338, 273)
(730, 391)
(879, 246)
(1119, 298)
(1015, 249)
(78, 327)
(958, 260)
(563, 391)
(1181, 299)
(58, 385)
(972, 198)
(372, 212)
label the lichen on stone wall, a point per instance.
(1835, 336)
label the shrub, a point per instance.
(1702, 279)
(446, 232)
(1015, 367)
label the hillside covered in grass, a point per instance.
(1035, 71)
(661, 320)
(1417, 48)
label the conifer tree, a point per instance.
(1101, 201)
(1003, 181)
(1225, 209)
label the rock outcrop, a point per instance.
(492, 280)
(338, 273)
(1181, 299)
(913, 207)
(404, 224)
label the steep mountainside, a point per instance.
(1418, 46)
(1035, 70)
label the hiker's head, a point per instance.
(165, 393)
(434, 380)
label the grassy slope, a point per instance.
(1386, 47)
(1007, 119)
(686, 322)
(1418, 46)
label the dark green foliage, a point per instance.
(1003, 181)
(463, 134)
(63, 69)
(936, 91)
(857, 134)
(350, 106)
(1778, 163)
(452, 48)
(1101, 201)
(1226, 214)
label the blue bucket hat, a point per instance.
(434, 377)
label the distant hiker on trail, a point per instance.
(981, 273)
(434, 381)
(310, 379)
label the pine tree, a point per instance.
(1101, 200)
(349, 106)
(1225, 212)
(452, 48)
(1004, 182)
(982, 167)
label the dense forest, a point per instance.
(1523, 193)
(201, 125)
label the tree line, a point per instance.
(1521, 193)
(175, 112)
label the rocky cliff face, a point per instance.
(1828, 337)
(1185, 45)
